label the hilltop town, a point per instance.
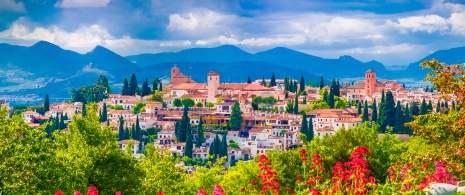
(271, 113)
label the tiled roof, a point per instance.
(232, 86)
(256, 87)
(187, 86)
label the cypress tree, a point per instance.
(46, 103)
(296, 105)
(399, 119)
(235, 118)
(121, 129)
(359, 109)
(263, 81)
(295, 86)
(145, 88)
(311, 133)
(200, 134)
(381, 108)
(286, 84)
(223, 147)
(108, 122)
(104, 116)
(125, 90)
(211, 150)
(322, 82)
(138, 130)
(302, 83)
(374, 114)
(184, 126)
(446, 104)
(249, 80)
(127, 133)
(272, 80)
(189, 146)
(155, 84)
(286, 95)
(408, 116)
(304, 101)
(133, 132)
(84, 111)
(443, 105)
(331, 98)
(304, 125)
(325, 95)
(423, 107)
(290, 107)
(177, 130)
(430, 106)
(438, 106)
(133, 85)
(338, 87)
(160, 87)
(453, 105)
(365, 112)
(389, 110)
(140, 143)
(62, 122)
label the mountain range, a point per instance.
(45, 68)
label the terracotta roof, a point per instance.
(184, 86)
(257, 130)
(369, 70)
(212, 73)
(327, 128)
(256, 87)
(232, 86)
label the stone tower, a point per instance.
(174, 72)
(213, 82)
(370, 82)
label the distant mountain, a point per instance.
(345, 66)
(448, 56)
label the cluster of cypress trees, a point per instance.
(219, 148)
(293, 106)
(57, 123)
(307, 127)
(131, 87)
(290, 85)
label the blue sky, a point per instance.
(394, 32)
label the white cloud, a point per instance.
(383, 49)
(260, 41)
(175, 43)
(82, 3)
(12, 6)
(457, 21)
(428, 23)
(203, 21)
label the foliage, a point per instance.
(177, 102)
(236, 119)
(137, 108)
(189, 102)
(319, 104)
(210, 105)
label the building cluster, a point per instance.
(260, 131)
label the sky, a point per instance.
(393, 32)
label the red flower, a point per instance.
(58, 193)
(201, 192)
(253, 182)
(160, 193)
(92, 191)
(218, 190)
(118, 193)
(77, 193)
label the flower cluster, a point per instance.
(352, 177)
(269, 177)
(442, 175)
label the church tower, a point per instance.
(370, 82)
(174, 72)
(213, 82)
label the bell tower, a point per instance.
(213, 82)
(370, 82)
(174, 72)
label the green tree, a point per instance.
(249, 80)
(438, 107)
(46, 103)
(138, 108)
(389, 112)
(296, 105)
(304, 125)
(374, 114)
(423, 107)
(311, 133)
(272, 80)
(223, 147)
(199, 104)
(84, 110)
(121, 129)
(322, 82)
(365, 112)
(381, 108)
(145, 88)
(184, 125)
(430, 106)
(132, 87)
(104, 113)
(236, 119)
(200, 134)
(156, 97)
(289, 107)
(263, 82)
(414, 109)
(62, 122)
(210, 105)
(359, 108)
(407, 118)
(302, 84)
(127, 133)
(160, 86)
(155, 82)
(177, 102)
(138, 130)
(189, 102)
(125, 90)
(399, 119)
(189, 146)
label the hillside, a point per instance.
(448, 56)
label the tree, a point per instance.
(177, 102)
(263, 81)
(125, 90)
(423, 107)
(132, 85)
(145, 88)
(359, 108)
(438, 107)
(331, 95)
(374, 112)
(155, 82)
(189, 146)
(289, 107)
(294, 87)
(286, 84)
(322, 82)
(365, 112)
(46, 103)
(399, 119)
(185, 125)
(199, 104)
(381, 107)
(127, 133)
(200, 134)
(389, 112)
(302, 83)
(286, 95)
(296, 105)
(414, 109)
(236, 119)
(210, 105)
(84, 111)
(189, 102)
(430, 106)
(407, 118)
(156, 97)
(62, 122)
(272, 80)
(304, 125)
(223, 147)
(138, 130)
(160, 86)
(249, 80)
(138, 108)
(121, 129)
(310, 133)
(104, 116)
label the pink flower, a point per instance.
(218, 190)
(118, 193)
(201, 192)
(160, 193)
(77, 193)
(92, 191)
(58, 193)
